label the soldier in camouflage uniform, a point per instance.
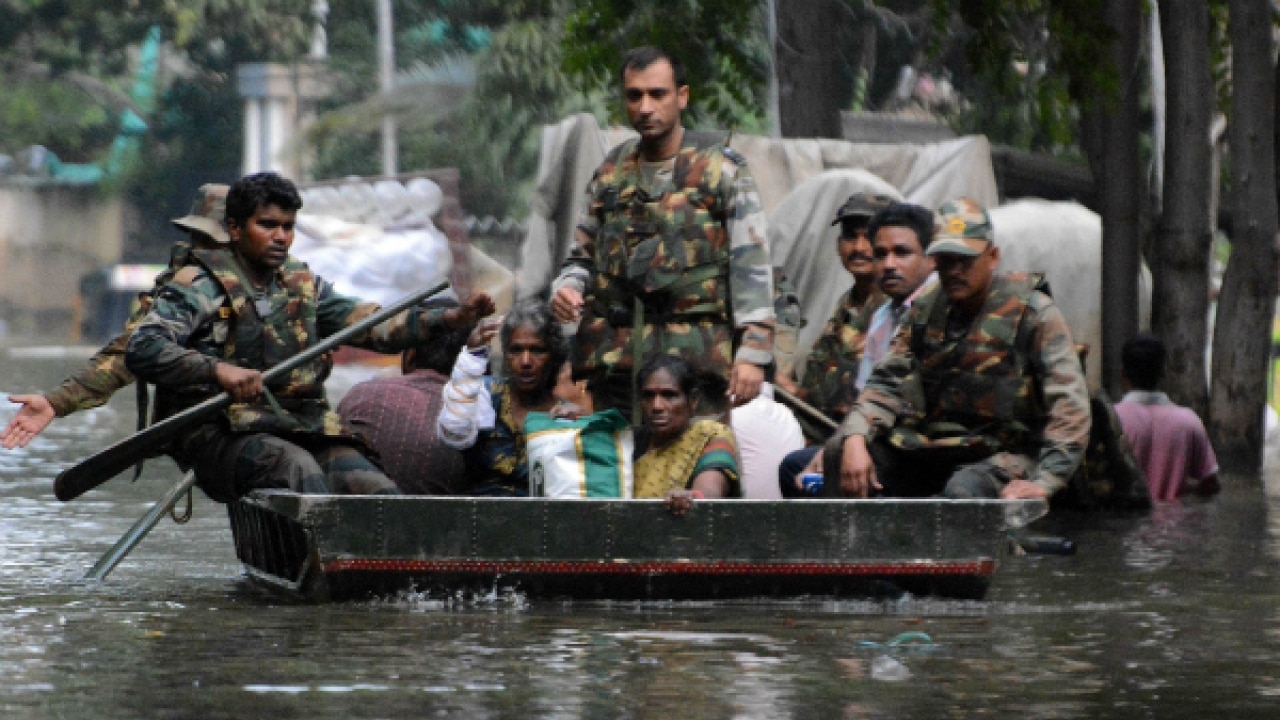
(232, 314)
(105, 373)
(832, 366)
(981, 394)
(671, 254)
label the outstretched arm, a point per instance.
(411, 327)
(34, 416)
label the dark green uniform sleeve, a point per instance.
(158, 351)
(104, 374)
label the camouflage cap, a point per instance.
(208, 213)
(963, 226)
(862, 205)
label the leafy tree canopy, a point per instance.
(722, 43)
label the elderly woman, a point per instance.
(484, 415)
(685, 459)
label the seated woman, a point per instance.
(484, 415)
(685, 459)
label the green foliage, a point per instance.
(196, 135)
(721, 43)
(54, 115)
(536, 61)
(493, 136)
(1026, 67)
(66, 69)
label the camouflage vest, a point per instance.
(831, 370)
(978, 384)
(666, 243)
(297, 403)
(662, 254)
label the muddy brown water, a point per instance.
(1173, 615)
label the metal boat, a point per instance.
(330, 547)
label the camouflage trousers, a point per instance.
(921, 474)
(229, 465)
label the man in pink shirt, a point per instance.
(1168, 440)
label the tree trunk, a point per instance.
(809, 89)
(1121, 191)
(1180, 296)
(1246, 307)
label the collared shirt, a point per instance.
(1168, 440)
(884, 325)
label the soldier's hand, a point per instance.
(1022, 490)
(744, 383)
(477, 306)
(857, 472)
(242, 384)
(34, 416)
(566, 305)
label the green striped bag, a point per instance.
(585, 458)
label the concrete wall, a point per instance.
(51, 235)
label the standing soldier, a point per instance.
(105, 373)
(981, 394)
(671, 253)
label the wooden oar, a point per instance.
(145, 524)
(804, 408)
(106, 464)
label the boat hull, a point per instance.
(322, 547)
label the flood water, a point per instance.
(1173, 615)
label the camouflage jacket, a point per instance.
(105, 372)
(832, 366)
(207, 315)
(1009, 376)
(686, 239)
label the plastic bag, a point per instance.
(585, 458)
